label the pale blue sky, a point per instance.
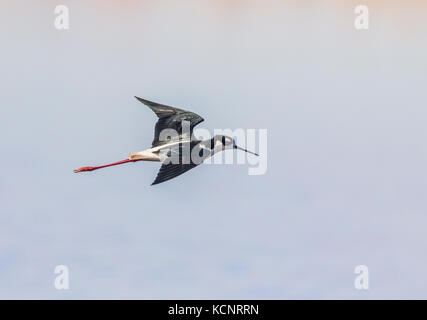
(346, 182)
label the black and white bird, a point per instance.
(178, 152)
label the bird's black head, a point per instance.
(226, 142)
(222, 142)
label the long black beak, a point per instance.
(236, 147)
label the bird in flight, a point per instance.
(174, 144)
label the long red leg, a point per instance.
(106, 165)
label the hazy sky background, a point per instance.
(346, 114)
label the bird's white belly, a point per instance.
(153, 154)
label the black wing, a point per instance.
(170, 171)
(180, 158)
(171, 118)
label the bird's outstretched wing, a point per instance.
(170, 171)
(171, 118)
(180, 158)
